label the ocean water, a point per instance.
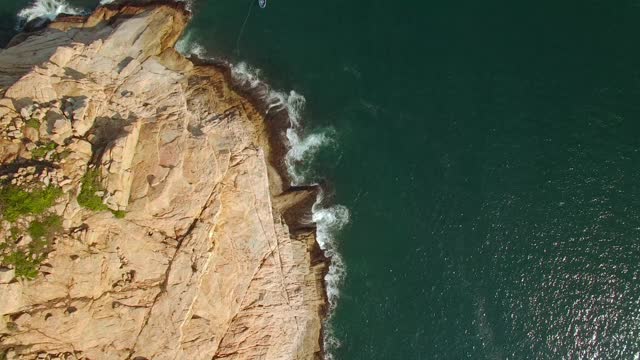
(486, 155)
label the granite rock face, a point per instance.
(196, 251)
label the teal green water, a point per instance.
(489, 154)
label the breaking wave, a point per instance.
(46, 9)
(187, 46)
(50, 9)
(302, 147)
(329, 221)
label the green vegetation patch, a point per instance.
(46, 227)
(33, 123)
(26, 262)
(42, 150)
(11, 326)
(26, 266)
(15, 202)
(119, 214)
(87, 197)
(15, 234)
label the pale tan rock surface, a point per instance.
(205, 264)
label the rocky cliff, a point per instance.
(143, 209)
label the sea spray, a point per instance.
(45, 9)
(302, 147)
(329, 221)
(187, 46)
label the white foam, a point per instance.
(301, 150)
(46, 9)
(188, 3)
(105, 2)
(329, 221)
(187, 46)
(245, 75)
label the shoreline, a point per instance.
(277, 122)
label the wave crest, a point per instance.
(187, 46)
(329, 221)
(46, 9)
(302, 147)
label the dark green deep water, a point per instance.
(489, 153)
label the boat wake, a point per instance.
(45, 9)
(302, 147)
